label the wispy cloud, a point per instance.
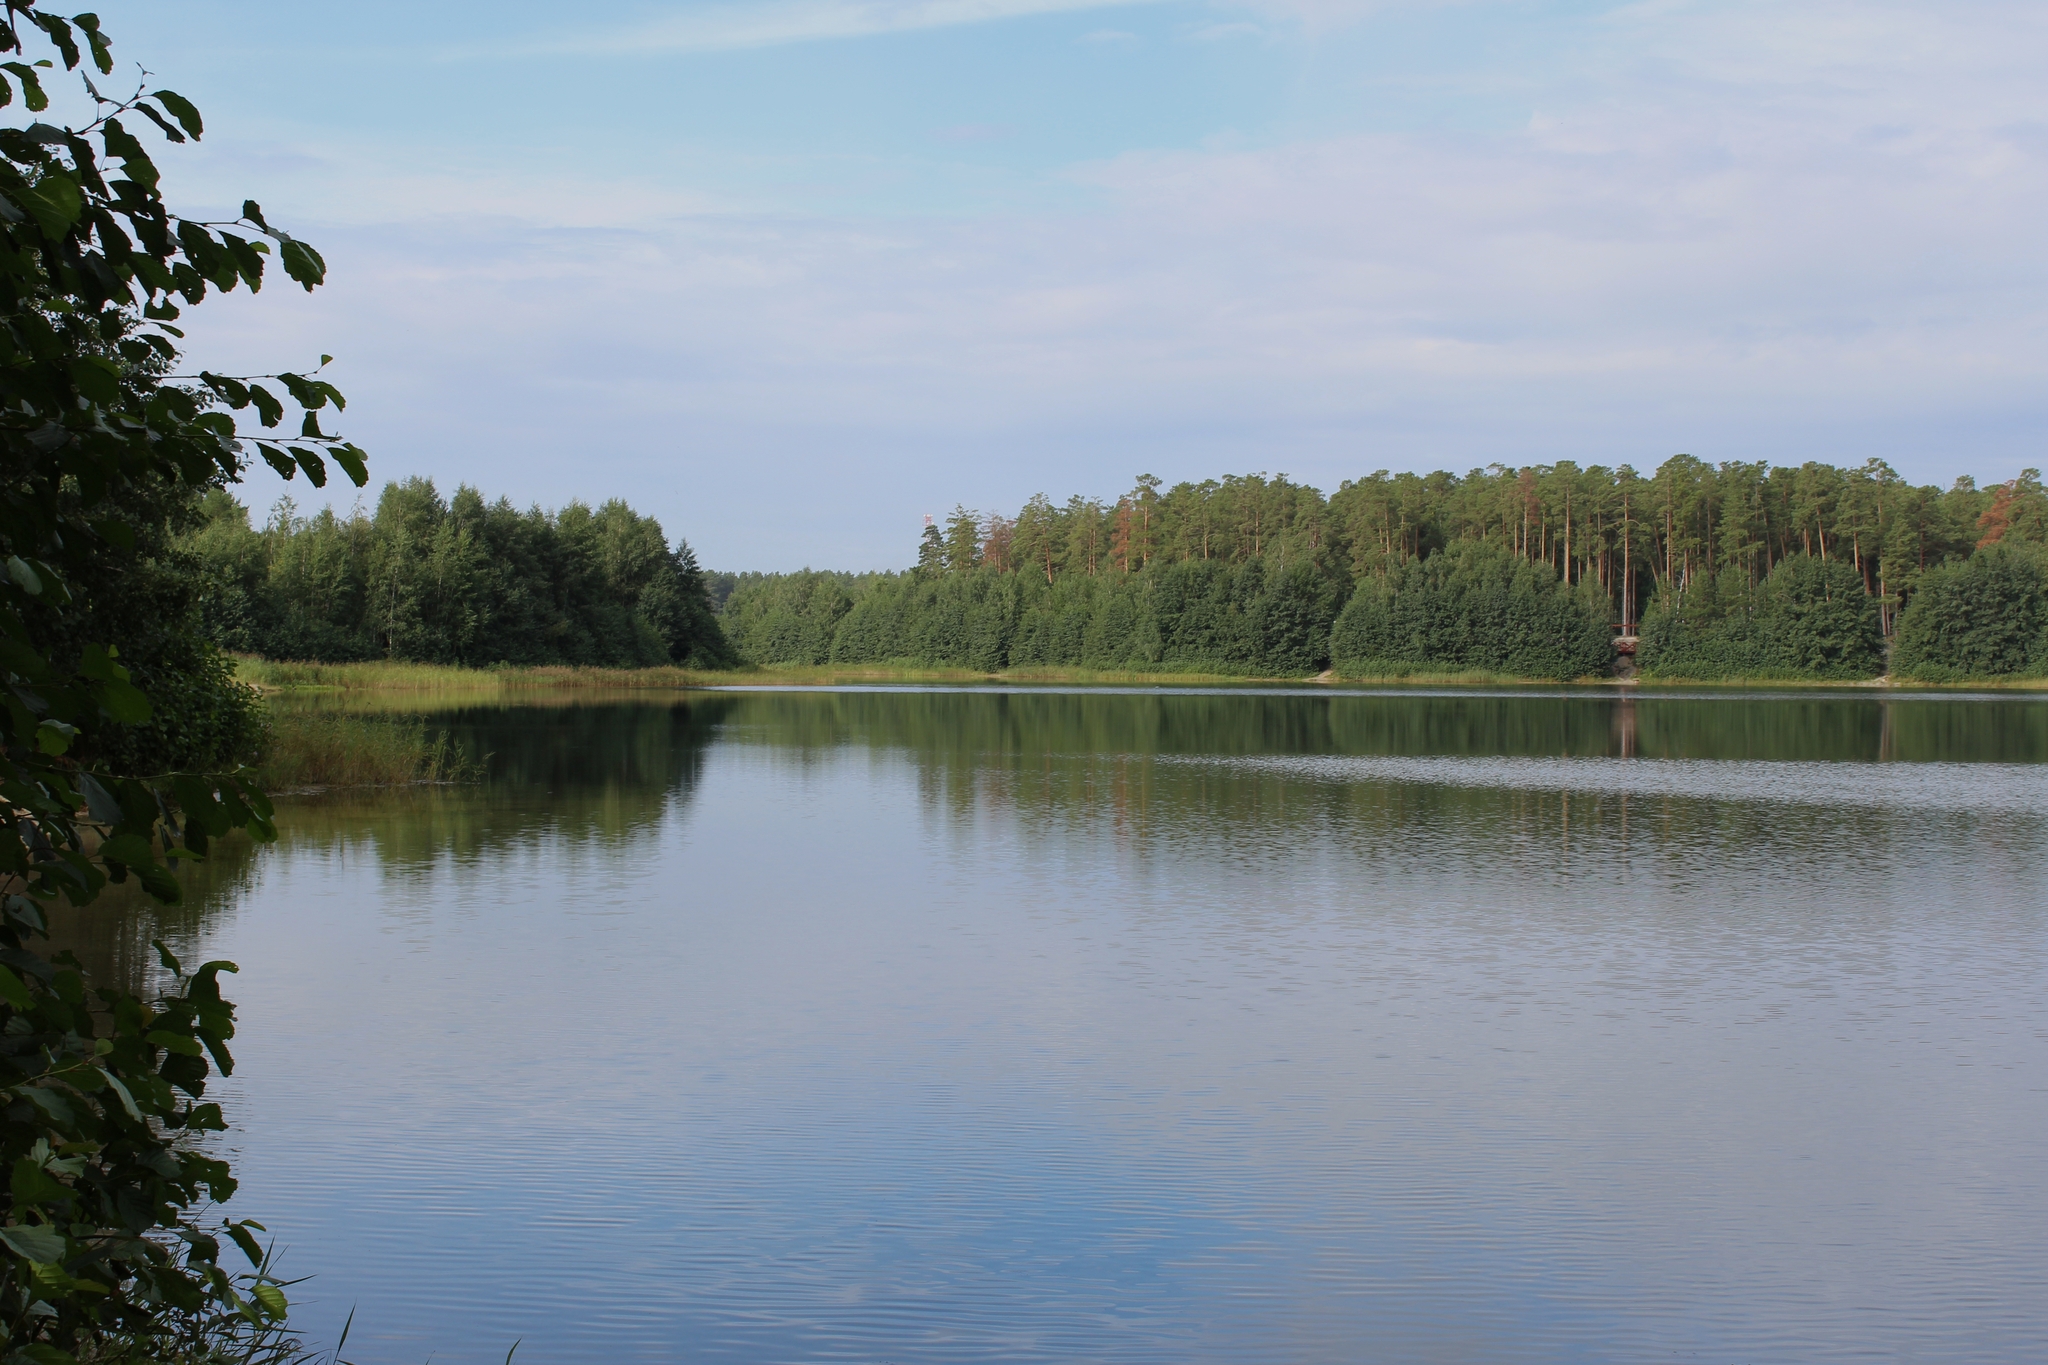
(719, 28)
(1727, 231)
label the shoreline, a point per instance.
(284, 678)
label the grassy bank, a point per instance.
(387, 685)
(383, 676)
(482, 683)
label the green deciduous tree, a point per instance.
(107, 1252)
(460, 581)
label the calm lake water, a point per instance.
(1042, 1025)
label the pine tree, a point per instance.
(963, 539)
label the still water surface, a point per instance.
(1201, 1026)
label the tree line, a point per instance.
(1718, 571)
(456, 581)
(1737, 569)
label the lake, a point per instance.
(1164, 1025)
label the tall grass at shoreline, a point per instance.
(309, 749)
(387, 686)
(312, 678)
(271, 675)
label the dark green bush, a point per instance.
(1808, 619)
(1982, 618)
(1471, 607)
(1252, 618)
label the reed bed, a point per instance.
(317, 749)
(272, 675)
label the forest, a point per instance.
(1722, 571)
(1717, 571)
(454, 581)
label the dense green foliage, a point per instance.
(109, 1249)
(1808, 618)
(1257, 617)
(147, 601)
(1472, 606)
(459, 581)
(1635, 535)
(1985, 617)
(1736, 570)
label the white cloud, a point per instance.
(717, 28)
(1760, 236)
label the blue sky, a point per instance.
(790, 273)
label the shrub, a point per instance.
(1982, 618)
(1808, 619)
(1470, 607)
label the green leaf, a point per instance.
(180, 109)
(54, 591)
(135, 162)
(54, 737)
(31, 87)
(158, 119)
(310, 461)
(246, 260)
(50, 1102)
(157, 880)
(351, 461)
(12, 990)
(102, 50)
(243, 1238)
(172, 1042)
(98, 379)
(300, 262)
(127, 1100)
(60, 34)
(98, 662)
(230, 390)
(272, 1298)
(307, 393)
(99, 802)
(130, 849)
(124, 702)
(277, 459)
(42, 1245)
(21, 573)
(31, 1184)
(53, 202)
(268, 409)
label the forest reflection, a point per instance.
(1496, 796)
(1809, 727)
(597, 777)
(1257, 777)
